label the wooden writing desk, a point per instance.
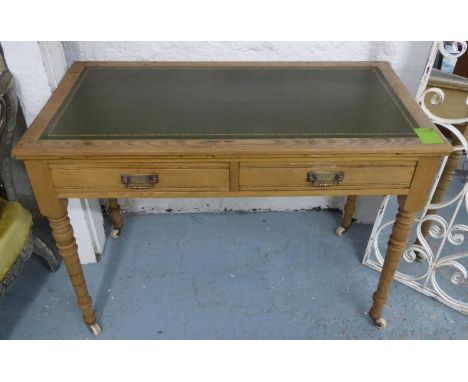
(131, 130)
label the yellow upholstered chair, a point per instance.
(17, 242)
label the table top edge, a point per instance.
(31, 146)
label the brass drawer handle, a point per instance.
(325, 179)
(140, 181)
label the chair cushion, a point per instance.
(15, 226)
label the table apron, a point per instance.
(234, 178)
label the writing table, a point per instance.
(230, 129)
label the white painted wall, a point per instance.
(37, 68)
(407, 58)
(25, 62)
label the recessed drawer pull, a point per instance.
(325, 179)
(140, 181)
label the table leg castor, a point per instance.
(340, 231)
(349, 208)
(116, 217)
(380, 322)
(95, 328)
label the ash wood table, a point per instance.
(133, 130)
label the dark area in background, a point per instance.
(23, 188)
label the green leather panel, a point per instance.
(230, 103)
(15, 226)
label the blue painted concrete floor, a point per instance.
(265, 275)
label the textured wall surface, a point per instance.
(407, 58)
(25, 62)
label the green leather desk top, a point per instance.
(230, 103)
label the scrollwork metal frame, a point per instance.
(443, 229)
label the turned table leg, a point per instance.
(349, 209)
(116, 217)
(396, 246)
(55, 209)
(63, 235)
(408, 206)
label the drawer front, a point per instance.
(142, 177)
(308, 175)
